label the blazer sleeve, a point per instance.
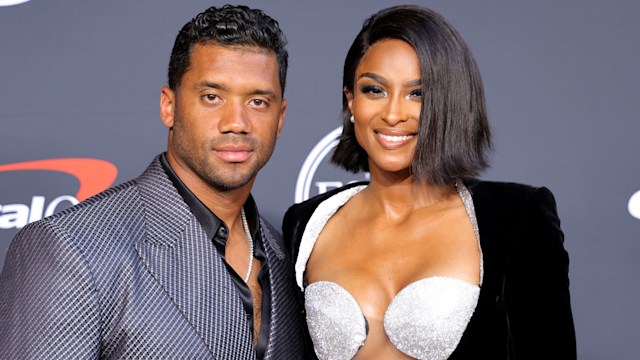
(48, 302)
(293, 225)
(536, 285)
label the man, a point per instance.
(176, 263)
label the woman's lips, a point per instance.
(393, 140)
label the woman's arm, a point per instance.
(536, 288)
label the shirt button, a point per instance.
(222, 231)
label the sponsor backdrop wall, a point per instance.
(80, 83)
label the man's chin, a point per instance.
(229, 176)
(231, 183)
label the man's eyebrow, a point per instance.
(218, 86)
(211, 85)
(269, 93)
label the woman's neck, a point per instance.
(399, 196)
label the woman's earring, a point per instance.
(351, 119)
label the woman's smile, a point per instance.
(393, 140)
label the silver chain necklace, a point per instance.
(250, 239)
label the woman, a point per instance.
(424, 261)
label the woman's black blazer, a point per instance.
(524, 309)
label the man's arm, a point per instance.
(48, 302)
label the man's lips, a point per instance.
(233, 153)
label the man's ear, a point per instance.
(167, 106)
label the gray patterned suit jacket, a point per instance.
(130, 273)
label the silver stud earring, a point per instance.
(351, 119)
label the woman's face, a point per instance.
(386, 103)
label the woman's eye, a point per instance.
(416, 93)
(373, 90)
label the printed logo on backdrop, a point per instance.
(92, 175)
(634, 205)
(318, 175)
(12, 2)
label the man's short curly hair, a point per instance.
(228, 26)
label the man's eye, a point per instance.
(259, 103)
(210, 98)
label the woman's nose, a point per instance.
(394, 111)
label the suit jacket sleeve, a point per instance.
(48, 304)
(536, 285)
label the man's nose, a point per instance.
(234, 119)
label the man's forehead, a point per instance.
(215, 55)
(225, 67)
(245, 48)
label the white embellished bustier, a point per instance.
(425, 320)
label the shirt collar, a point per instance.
(209, 221)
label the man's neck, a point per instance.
(224, 203)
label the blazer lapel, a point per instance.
(180, 257)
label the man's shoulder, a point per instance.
(115, 202)
(118, 209)
(81, 222)
(111, 197)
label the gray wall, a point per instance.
(82, 79)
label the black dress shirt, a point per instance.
(218, 232)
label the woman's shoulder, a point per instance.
(510, 202)
(478, 185)
(511, 192)
(306, 208)
(298, 215)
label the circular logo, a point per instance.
(634, 205)
(12, 2)
(318, 175)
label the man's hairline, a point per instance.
(251, 48)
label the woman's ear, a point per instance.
(349, 95)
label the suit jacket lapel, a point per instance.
(178, 254)
(273, 255)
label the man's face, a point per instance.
(225, 116)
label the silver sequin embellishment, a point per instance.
(427, 318)
(336, 324)
(316, 223)
(467, 200)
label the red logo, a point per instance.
(94, 175)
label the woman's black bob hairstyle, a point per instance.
(454, 135)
